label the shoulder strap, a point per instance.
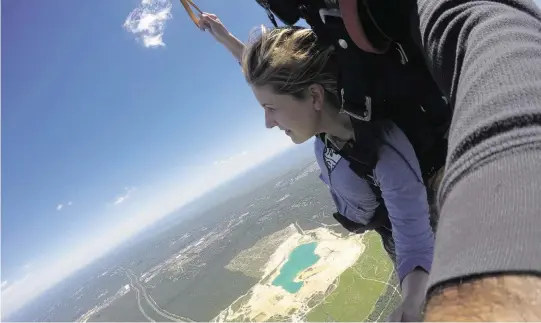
(351, 13)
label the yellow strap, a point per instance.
(186, 4)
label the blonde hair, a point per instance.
(290, 59)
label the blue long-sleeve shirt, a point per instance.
(398, 175)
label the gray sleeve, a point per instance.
(486, 55)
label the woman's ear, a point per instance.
(317, 95)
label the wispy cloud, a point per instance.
(61, 206)
(148, 20)
(231, 159)
(121, 198)
(13, 295)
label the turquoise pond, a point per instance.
(300, 258)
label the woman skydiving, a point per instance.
(293, 78)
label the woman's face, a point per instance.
(299, 118)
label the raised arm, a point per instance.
(217, 29)
(486, 55)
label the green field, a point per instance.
(359, 288)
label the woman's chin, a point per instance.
(297, 140)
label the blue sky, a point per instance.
(102, 135)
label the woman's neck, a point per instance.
(337, 124)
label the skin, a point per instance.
(302, 119)
(212, 24)
(503, 298)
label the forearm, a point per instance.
(234, 45)
(504, 298)
(486, 55)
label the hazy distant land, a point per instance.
(231, 262)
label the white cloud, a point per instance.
(148, 20)
(61, 206)
(4, 284)
(10, 294)
(231, 159)
(120, 199)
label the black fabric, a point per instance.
(386, 234)
(380, 219)
(377, 37)
(286, 11)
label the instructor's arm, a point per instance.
(486, 55)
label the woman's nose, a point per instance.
(269, 121)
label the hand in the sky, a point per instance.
(212, 23)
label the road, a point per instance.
(143, 296)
